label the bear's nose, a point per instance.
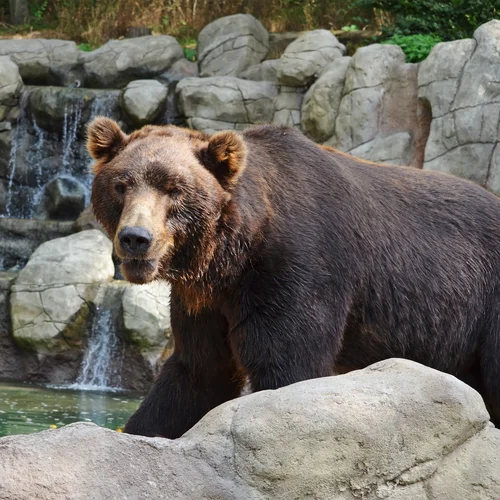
(135, 240)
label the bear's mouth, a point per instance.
(139, 271)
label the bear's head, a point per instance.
(160, 193)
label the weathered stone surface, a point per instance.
(266, 71)
(10, 83)
(321, 102)
(238, 103)
(231, 44)
(118, 62)
(459, 81)
(21, 237)
(64, 198)
(438, 74)
(48, 300)
(287, 106)
(51, 105)
(379, 100)
(40, 61)
(395, 430)
(393, 149)
(146, 318)
(305, 58)
(87, 220)
(179, 70)
(143, 100)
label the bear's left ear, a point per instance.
(105, 139)
(225, 156)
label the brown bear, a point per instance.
(290, 261)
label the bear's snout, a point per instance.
(134, 240)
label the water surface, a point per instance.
(26, 408)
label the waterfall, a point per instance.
(40, 153)
(72, 119)
(101, 363)
(18, 135)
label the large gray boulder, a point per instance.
(146, 319)
(51, 106)
(396, 430)
(143, 100)
(48, 303)
(305, 58)
(459, 82)
(224, 102)
(118, 62)
(266, 71)
(321, 102)
(229, 45)
(64, 198)
(40, 61)
(378, 107)
(287, 106)
(10, 83)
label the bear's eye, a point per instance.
(120, 188)
(173, 191)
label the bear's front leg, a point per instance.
(200, 375)
(289, 333)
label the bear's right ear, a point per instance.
(105, 139)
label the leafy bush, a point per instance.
(416, 47)
(85, 47)
(448, 19)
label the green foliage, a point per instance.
(188, 45)
(416, 47)
(352, 27)
(85, 47)
(448, 19)
(189, 53)
(37, 9)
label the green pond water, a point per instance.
(28, 408)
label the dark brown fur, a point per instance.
(287, 259)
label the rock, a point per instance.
(321, 102)
(21, 237)
(305, 58)
(49, 300)
(86, 220)
(395, 430)
(438, 74)
(278, 42)
(379, 100)
(64, 198)
(146, 318)
(51, 106)
(143, 100)
(10, 82)
(119, 62)
(43, 62)
(459, 81)
(179, 70)
(393, 149)
(263, 72)
(219, 103)
(229, 45)
(287, 106)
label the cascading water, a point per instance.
(101, 364)
(44, 150)
(72, 120)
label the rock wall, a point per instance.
(52, 309)
(442, 114)
(396, 430)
